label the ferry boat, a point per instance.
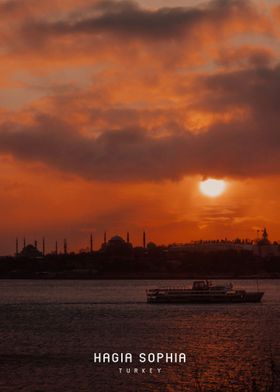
(202, 291)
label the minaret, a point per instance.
(36, 244)
(24, 242)
(43, 246)
(144, 239)
(56, 248)
(16, 246)
(127, 237)
(65, 246)
(105, 238)
(91, 243)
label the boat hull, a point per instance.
(252, 297)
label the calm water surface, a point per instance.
(49, 330)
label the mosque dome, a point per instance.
(117, 245)
(30, 251)
(117, 238)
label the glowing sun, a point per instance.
(212, 187)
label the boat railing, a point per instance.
(190, 290)
(227, 287)
(170, 288)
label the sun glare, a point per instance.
(212, 187)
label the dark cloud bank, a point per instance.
(133, 155)
(127, 19)
(248, 146)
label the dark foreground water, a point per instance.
(49, 330)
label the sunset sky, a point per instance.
(112, 112)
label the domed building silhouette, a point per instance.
(116, 241)
(117, 246)
(30, 251)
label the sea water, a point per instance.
(49, 330)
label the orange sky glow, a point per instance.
(112, 112)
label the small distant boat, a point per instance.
(202, 292)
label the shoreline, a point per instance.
(224, 277)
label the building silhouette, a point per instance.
(30, 251)
(117, 245)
